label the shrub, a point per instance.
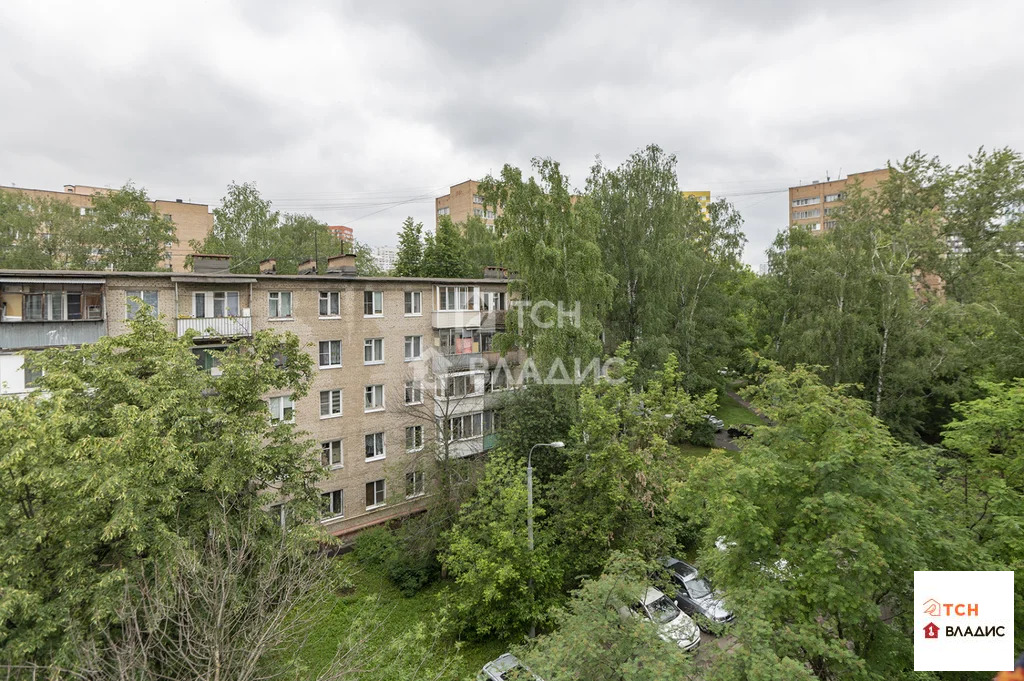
(702, 434)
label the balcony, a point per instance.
(216, 327)
(448, 319)
(494, 319)
(22, 335)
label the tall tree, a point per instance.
(130, 234)
(445, 253)
(814, 532)
(481, 245)
(124, 454)
(409, 262)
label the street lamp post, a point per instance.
(558, 444)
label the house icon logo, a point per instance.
(931, 630)
(932, 607)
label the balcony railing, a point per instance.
(445, 319)
(216, 327)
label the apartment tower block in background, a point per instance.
(463, 202)
(812, 206)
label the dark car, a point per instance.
(694, 594)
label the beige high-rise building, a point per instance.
(192, 221)
(812, 206)
(703, 198)
(403, 366)
(462, 202)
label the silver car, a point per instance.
(505, 668)
(694, 594)
(673, 625)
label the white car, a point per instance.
(674, 625)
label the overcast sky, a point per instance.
(360, 113)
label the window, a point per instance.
(225, 304)
(801, 214)
(472, 425)
(478, 199)
(413, 348)
(814, 227)
(333, 504)
(809, 201)
(208, 359)
(32, 376)
(330, 303)
(280, 303)
(494, 301)
(332, 455)
(488, 214)
(374, 395)
(373, 303)
(199, 305)
(413, 302)
(376, 493)
(373, 351)
(413, 438)
(375, 446)
(132, 306)
(478, 212)
(830, 224)
(330, 403)
(456, 298)
(414, 484)
(835, 197)
(413, 392)
(282, 409)
(460, 386)
(444, 211)
(330, 354)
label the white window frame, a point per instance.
(332, 513)
(383, 452)
(417, 440)
(416, 388)
(279, 298)
(377, 304)
(418, 483)
(210, 303)
(328, 450)
(373, 344)
(331, 404)
(414, 343)
(332, 300)
(282, 403)
(414, 303)
(320, 354)
(131, 308)
(458, 298)
(378, 492)
(371, 393)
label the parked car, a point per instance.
(505, 668)
(779, 570)
(673, 625)
(694, 594)
(715, 422)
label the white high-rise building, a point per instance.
(385, 257)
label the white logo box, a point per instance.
(973, 613)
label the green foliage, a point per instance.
(988, 454)
(444, 255)
(532, 414)
(124, 230)
(825, 518)
(409, 261)
(591, 640)
(122, 456)
(132, 235)
(550, 242)
(482, 245)
(248, 229)
(395, 554)
(487, 555)
(613, 493)
(702, 434)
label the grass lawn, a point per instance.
(395, 616)
(735, 414)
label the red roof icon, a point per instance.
(931, 630)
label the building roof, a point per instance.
(228, 277)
